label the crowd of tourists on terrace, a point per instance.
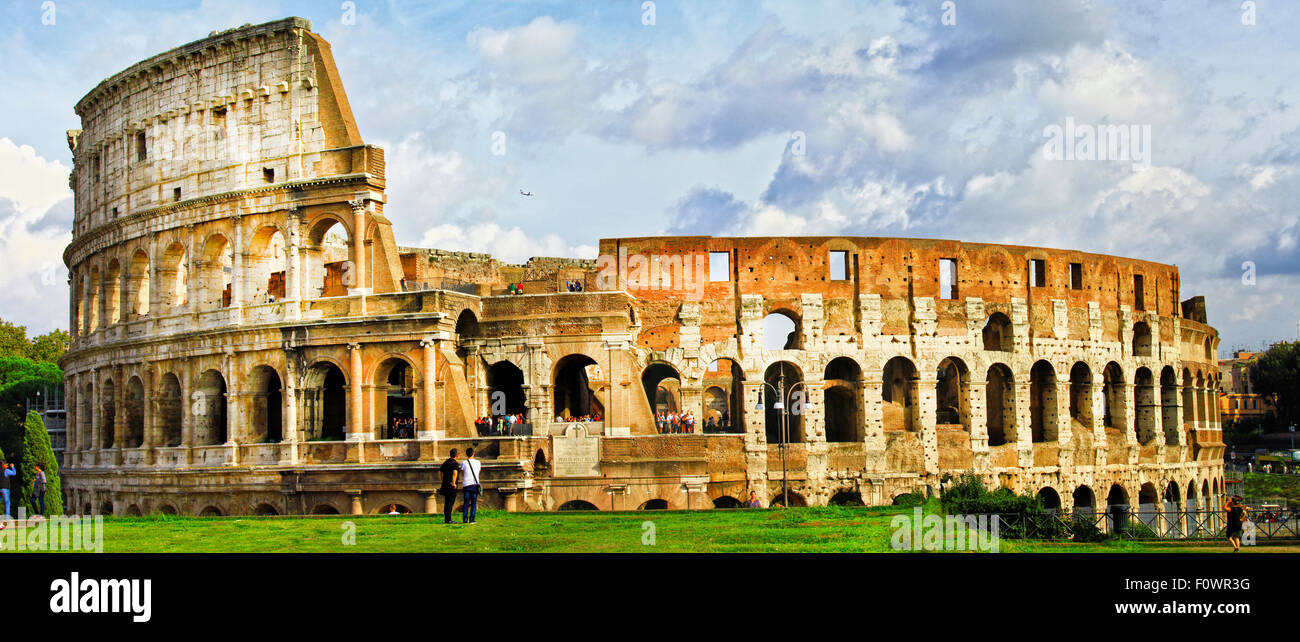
(498, 425)
(672, 423)
(560, 419)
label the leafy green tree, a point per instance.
(48, 347)
(37, 450)
(1276, 375)
(13, 340)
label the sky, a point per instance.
(862, 118)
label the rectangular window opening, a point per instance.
(719, 266)
(839, 265)
(1037, 273)
(1076, 276)
(268, 174)
(176, 194)
(141, 152)
(1139, 301)
(947, 278)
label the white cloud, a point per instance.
(512, 245)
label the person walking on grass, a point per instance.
(449, 471)
(470, 486)
(38, 489)
(1236, 521)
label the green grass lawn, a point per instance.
(802, 530)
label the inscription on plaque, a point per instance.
(576, 454)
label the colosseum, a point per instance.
(249, 338)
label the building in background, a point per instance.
(1237, 398)
(49, 402)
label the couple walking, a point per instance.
(464, 475)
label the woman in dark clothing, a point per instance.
(1236, 518)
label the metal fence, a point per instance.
(1085, 525)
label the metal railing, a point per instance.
(1086, 525)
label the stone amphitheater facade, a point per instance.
(246, 333)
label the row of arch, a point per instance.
(200, 275)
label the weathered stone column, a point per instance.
(355, 495)
(1024, 424)
(149, 440)
(188, 401)
(119, 409)
(873, 422)
(977, 401)
(755, 440)
(289, 414)
(925, 393)
(356, 435)
(428, 428)
(237, 271)
(1097, 396)
(358, 243)
(293, 265)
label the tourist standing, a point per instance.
(38, 489)
(4, 484)
(1236, 521)
(470, 486)
(449, 470)
(753, 501)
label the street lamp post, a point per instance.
(782, 396)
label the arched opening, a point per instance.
(724, 408)
(784, 402)
(843, 398)
(173, 277)
(113, 293)
(390, 508)
(662, 385)
(106, 508)
(328, 263)
(1050, 498)
(134, 413)
(466, 325)
(265, 509)
(1191, 495)
(170, 399)
(574, 394)
(900, 387)
(93, 300)
(540, 466)
(1144, 395)
(210, 511)
(781, 331)
(1200, 399)
(268, 406)
(1000, 405)
(847, 498)
(108, 411)
(1148, 497)
(215, 273)
(324, 509)
(395, 380)
(210, 426)
(654, 504)
(795, 499)
(1042, 403)
(85, 416)
(164, 509)
(726, 501)
(133, 511)
(952, 394)
(997, 333)
(1141, 339)
(267, 264)
(1169, 406)
(1112, 390)
(1084, 499)
(1081, 395)
(1117, 496)
(137, 286)
(577, 504)
(325, 403)
(505, 383)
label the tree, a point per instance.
(37, 450)
(1276, 375)
(48, 347)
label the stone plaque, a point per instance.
(576, 454)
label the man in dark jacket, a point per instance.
(449, 471)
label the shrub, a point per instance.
(969, 496)
(908, 500)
